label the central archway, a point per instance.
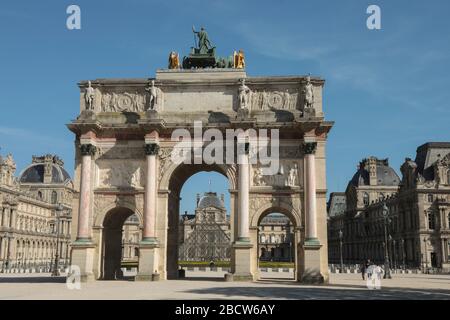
(112, 242)
(176, 178)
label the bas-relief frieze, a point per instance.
(119, 173)
(288, 176)
(279, 100)
(152, 97)
(123, 102)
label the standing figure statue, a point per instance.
(153, 92)
(309, 94)
(203, 40)
(89, 97)
(244, 95)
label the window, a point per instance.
(39, 194)
(366, 199)
(431, 221)
(54, 197)
(430, 197)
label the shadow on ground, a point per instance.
(37, 279)
(341, 292)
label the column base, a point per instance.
(148, 266)
(241, 256)
(82, 256)
(310, 267)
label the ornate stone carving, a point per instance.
(279, 100)
(287, 176)
(308, 92)
(123, 102)
(87, 149)
(309, 147)
(120, 174)
(164, 161)
(244, 94)
(89, 97)
(151, 149)
(155, 94)
(292, 179)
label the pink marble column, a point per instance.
(87, 151)
(310, 190)
(243, 186)
(150, 197)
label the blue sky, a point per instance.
(387, 90)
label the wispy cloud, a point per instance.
(26, 136)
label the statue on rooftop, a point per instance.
(89, 97)
(203, 40)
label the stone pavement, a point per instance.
(342, 286)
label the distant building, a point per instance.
(35, 210)
(419, 207)
(276, 239)
(205, 236)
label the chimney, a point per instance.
(198, 198)
(372, 168)
(48, 168)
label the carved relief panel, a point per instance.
(120, 174)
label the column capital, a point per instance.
(88, 149)
(151, 149)
(309, 147)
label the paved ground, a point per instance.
(342, 286)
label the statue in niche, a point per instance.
(155, 96)
(308, 92)
(89, 96)
(292, 178)
(152, 95)
(258, 177)
(244, 95)
(135, 180)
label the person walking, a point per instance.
(363, 270)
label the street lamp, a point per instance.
(403, 254)
(387, 271)
(426, 255)
(58, 211)
(341, 236)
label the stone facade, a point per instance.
(419, 216)
(30, 217)
(124, 167)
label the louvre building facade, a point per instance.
(418, 224)
(35, 214)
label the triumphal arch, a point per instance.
(138, 141)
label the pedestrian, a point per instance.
(363, 270)
(369, 272)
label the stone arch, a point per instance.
(173, 179)
(228, 171)
(111, 244)
(100, 216)
(284, 208)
